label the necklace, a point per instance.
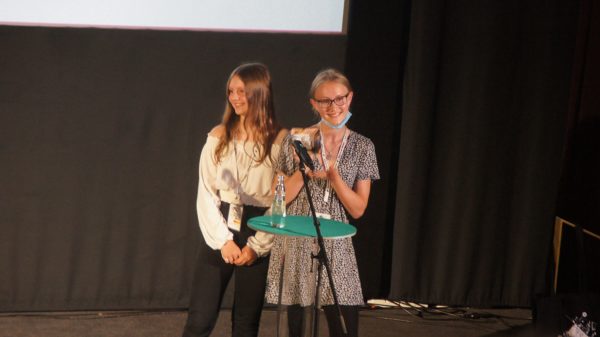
(326, 156)
(329, 154)
(240, 180)
(334, 147)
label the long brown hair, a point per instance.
(261, 110)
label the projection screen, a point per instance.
(319, 16)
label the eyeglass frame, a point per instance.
(325, 103)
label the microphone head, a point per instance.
(303, 154)
(304, 139)
(309, 137)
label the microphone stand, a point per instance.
(322, 259)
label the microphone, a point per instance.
(303, 154)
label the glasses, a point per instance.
(326, 102)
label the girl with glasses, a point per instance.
(345, 164)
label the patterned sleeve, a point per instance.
(368, 169)
(285, 161)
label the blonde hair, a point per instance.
(328, 75)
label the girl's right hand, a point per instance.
(230, 252)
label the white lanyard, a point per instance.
(328, 188)
(238, 188)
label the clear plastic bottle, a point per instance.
(278, 207)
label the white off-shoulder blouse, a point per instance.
(237, 171)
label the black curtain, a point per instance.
(377, 41)
(100, 131)
(579, 194)
(100, 134)
(485, 99)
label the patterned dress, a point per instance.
(357, 162)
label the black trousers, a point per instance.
(211, 277)
(349, 312)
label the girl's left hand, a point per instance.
(246, 258)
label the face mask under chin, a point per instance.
(337, 126)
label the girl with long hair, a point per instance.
(236, 170)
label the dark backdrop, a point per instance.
(375, 59)
(486, 92)
(579, 195)
(100, 132)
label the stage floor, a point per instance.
(446, 322)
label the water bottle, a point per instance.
(278, 207)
